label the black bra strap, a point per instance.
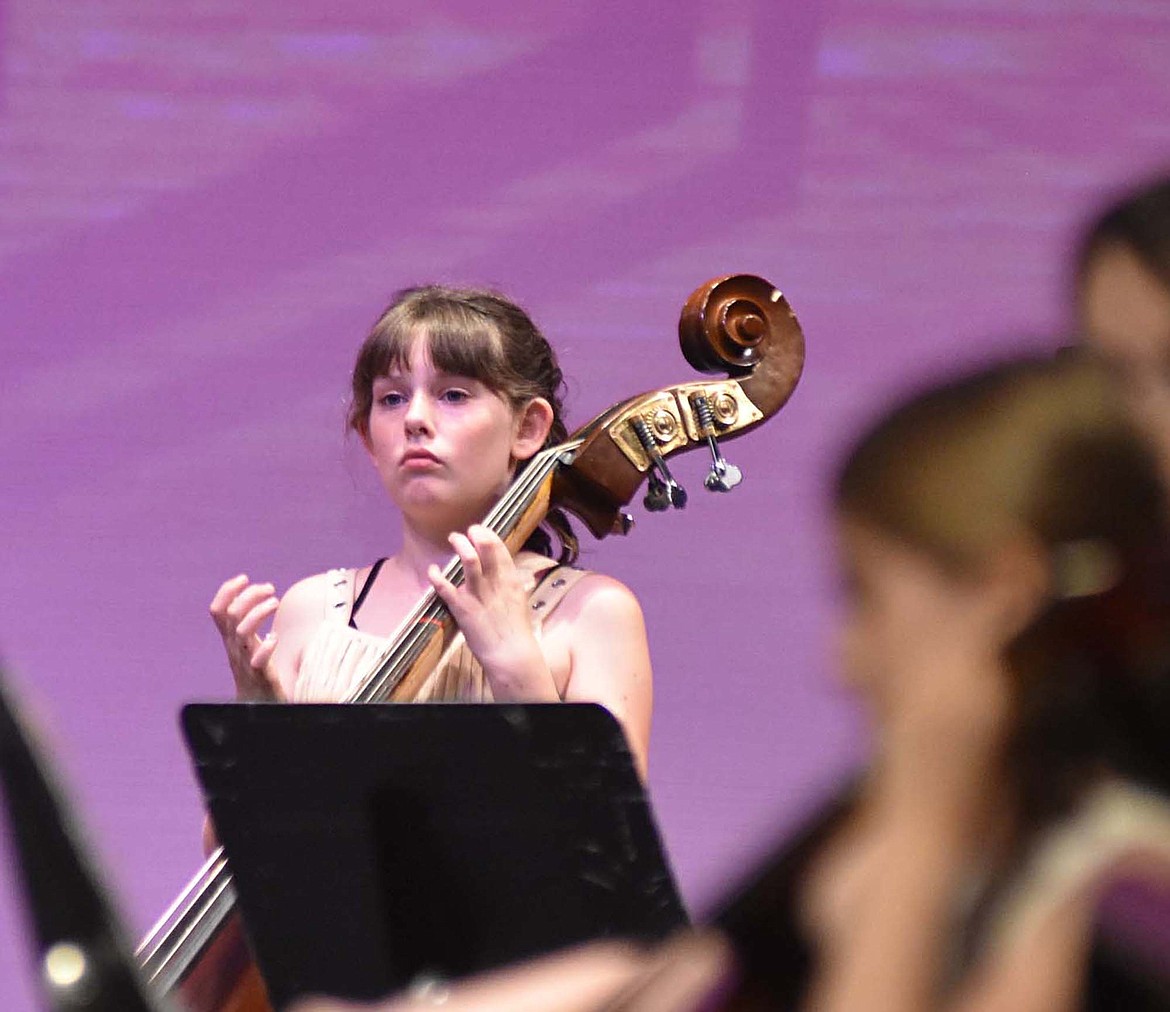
(369, 582)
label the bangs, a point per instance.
(464, 333)
(458, 343)
(475, 353)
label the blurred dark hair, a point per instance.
(1043, 448)
(484, 336)
(1139, 221)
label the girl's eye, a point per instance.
(455, 396)
(392, 400)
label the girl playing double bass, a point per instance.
(453, 392)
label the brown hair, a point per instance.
(474, 333)
(1043, 447)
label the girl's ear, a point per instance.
(1020, 584)
(364, 436)
(533, 422)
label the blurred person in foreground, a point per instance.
(1006, 542)
(1122, 294)
(1007, 557)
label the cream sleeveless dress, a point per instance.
(338, 657)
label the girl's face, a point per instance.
(1125, 315)
(912, 628)
(446, 446)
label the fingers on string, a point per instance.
(446, 590)
(493, 553)
(469, 557)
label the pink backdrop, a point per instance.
(204, 205)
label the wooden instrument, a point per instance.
(738, 325)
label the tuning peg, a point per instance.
(664, 491)
(657, 497)
(663, 494)
(623, 523)
(723, 477)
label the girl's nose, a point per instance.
(419, 418)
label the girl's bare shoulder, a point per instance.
(309, 599)
(599, 598)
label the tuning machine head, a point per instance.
(661, 495)
(663, 491)
(723, 477)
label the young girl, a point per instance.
(453, 392)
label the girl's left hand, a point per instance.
(492, 611)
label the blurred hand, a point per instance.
(610, 975)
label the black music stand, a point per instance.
(372, 845)
(82, 955)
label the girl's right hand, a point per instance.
(238, 609)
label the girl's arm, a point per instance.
(609, 656)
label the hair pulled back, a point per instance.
(1138, 221)
(479, 334)
(1043, 448)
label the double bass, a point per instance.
(740, 326)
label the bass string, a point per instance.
(201, 894)
(431, 611)
(405, 649)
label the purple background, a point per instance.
(204, 205)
